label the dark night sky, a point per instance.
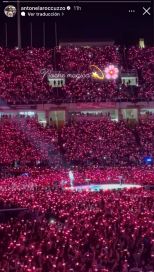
(96, 22)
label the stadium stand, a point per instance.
(44, 226)
(22, 81)
(107, 231)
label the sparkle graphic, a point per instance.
(98, 74)
(111, 72)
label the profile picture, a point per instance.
(10, 11)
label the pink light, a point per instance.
(111, 72)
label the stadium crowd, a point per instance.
(24, 140)
(141, 175)
(143, 61)
(21, 75)
(24, 72)
(62, 230)
(68, 231)
(78, 59)
(104, 142)
(99, 151)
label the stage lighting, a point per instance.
(148, 160)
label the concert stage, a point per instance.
(99, 187)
